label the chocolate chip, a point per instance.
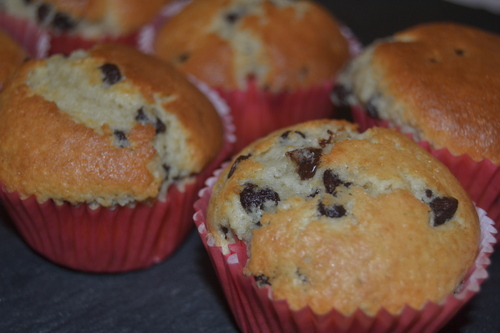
(160, 126)
(443, 208)
(301, 134)
(42, 12)
(340, 95)
(111, 73)
(225, 231)
(331, 180)
(324, 142)
(333, 211)
(232, 17)
(287, 133)
(307, 160)
(372, 109)
(252, 197)
(238, 160)
(459, 52)
(63, 22)
(141, 117)
(428, 193)
(121, 139)
(262, 280)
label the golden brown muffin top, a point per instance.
(440, 81)
(337, 219)
(12, 56)
(284, 45)
(108, 126)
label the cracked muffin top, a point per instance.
(337, 219)
(282, 44)
(106, 126)
(438, 81)
(89, 18)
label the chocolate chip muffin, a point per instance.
(82, 23)
(438, 81)
(12, 56)
(109, 126)
(273, 61)
(282, 44)
(109, 140)
(335, 219)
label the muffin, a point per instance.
(317, 221)
(12, 56)
(102, 154)
(273, 61)
(71, 25)
(438, 82)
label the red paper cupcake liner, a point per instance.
(33, 39)
(257, 113)
(255, 310)
(481, 179)
(65, 44)
(115, 239)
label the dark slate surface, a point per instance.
(182, 293)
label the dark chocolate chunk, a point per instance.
(63, 22)
(252, 197)
(141, 117)
(232, 17)
(301, 134)
(121, 139)
(428, 193)
(262, 280)
(443, 208)
(340, 95)
(225, 231)
(333, 211)
(111, 73)
(331, 180)
(238, 160)
(287, 133)
(160, 126)
(372, 109)
(307, 160)
(324, 142)
(42, 12)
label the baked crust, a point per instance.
(284, 45)
(73, 156)
(385, 249)
(439, 81)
